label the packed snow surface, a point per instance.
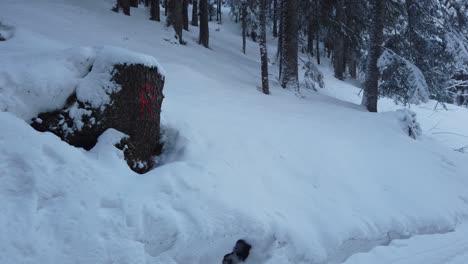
(304, 180)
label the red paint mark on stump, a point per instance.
(148, 95)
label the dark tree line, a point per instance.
(177, 16)
(408, 50)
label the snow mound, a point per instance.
(42, 82)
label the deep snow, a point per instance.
(304, 180)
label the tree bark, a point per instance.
(289, 71)
(339, 45)
(210, 10)
(204, 30)
(125, 5)
(310, 36)
(275, 18)
(195, 13)
(134, 3)
(317, 30)
(185, 14)
(244, 25)
(154, 10)
(218, 11)
(263, 47)
(174, 17)
(279, 50)
(369, 99)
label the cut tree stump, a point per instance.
(134, 110)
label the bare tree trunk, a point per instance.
(204, 30)
(174, 17)
(166, 2)
(317, 30)
(275, 18)
(310, 35)
(339, 45)
(125, 5)
(353, 68)
(210, 10)
(219, 13)
(195, 13)
(279, 54)
(134, 3)
(154, 10)
(289, 71)
(263, 47)
(369, 99)
(244, 25)
(185, 14)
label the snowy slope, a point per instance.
(450, 248)
(304, 180)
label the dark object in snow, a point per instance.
(6, 32)
(133, 110)
(239, 253)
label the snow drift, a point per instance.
(311, 180)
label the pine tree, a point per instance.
(185, 18)
(289, 49)
(134, 3)
(369, 99)
(124, 5)
(244, 24)
(175, 18)
(204, 30)
(263, 47)
(219, 12)
(339, 41)
(275, 18)
(154, 10)
(195, 13)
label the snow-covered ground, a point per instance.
(304, 180)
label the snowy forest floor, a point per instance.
(304, 180)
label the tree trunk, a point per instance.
(339, 45)
(317, 30)
(204, 30)
(275, 18)
(369, 99)
(353, 68)
(195, 13)
(165, 7)
(210, 10)
(174, 17)
(219, 17)
(310, 36)
(185, 14)
(289, 71)
(244, 25)
(134, 3)
(263, 47)
(279, 50)
(125, 5)
(154, 10)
